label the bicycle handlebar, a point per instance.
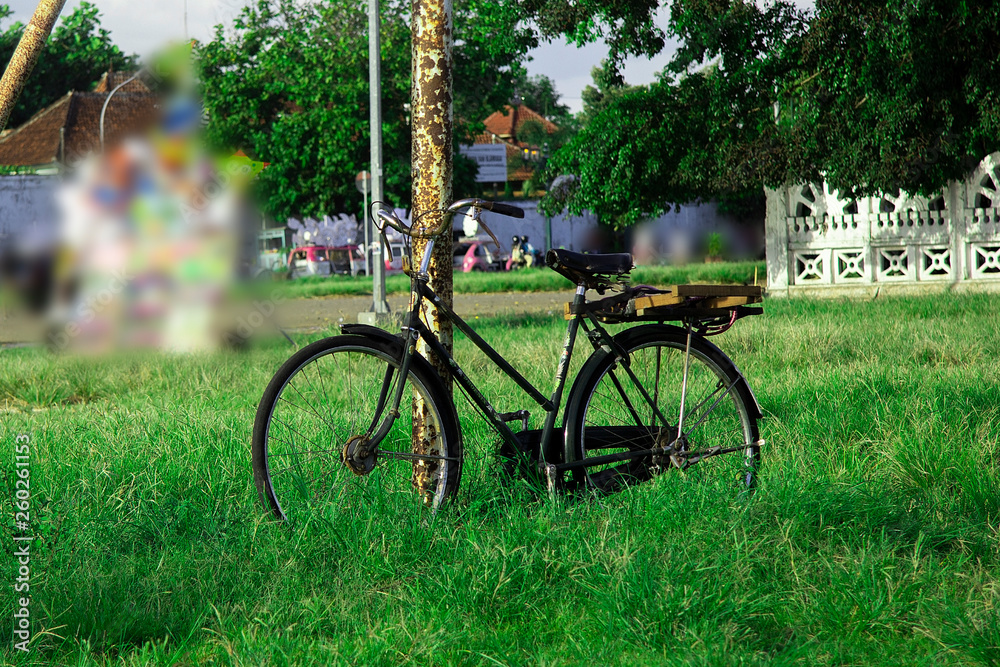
(389, 219)
(503, 209)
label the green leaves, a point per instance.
(898, 95)
(870, 96)
(628, 160)
(625, 25)
(290, 85)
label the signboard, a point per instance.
(492, 161)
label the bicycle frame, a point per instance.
(415, 329)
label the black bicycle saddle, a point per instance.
(594, 271)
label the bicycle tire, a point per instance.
(606, 412)
(319, 399)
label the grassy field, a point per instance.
(528, 280)
(872, 540)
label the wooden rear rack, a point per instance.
(672, 303)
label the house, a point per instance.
(69, 128)
(508, 126)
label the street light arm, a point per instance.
(108, 99)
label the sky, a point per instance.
(570, 66)
(141, 26)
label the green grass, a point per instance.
(529, 280)
(873, 538)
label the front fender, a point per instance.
(371, 332)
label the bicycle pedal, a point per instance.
(523, 415)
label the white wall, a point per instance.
(675, 232)
(28, 206)
(567, 231)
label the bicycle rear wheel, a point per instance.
(614, 412)
(332, 397)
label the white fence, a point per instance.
(815, 239)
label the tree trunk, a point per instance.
(431, 112)
(33, 39)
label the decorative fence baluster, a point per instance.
(817, 239)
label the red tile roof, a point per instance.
(111, 80)
(126, 115)
(498, 130)
(37, 141)
(70, 126)
(505, 123)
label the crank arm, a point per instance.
(409, 456)
(685, 460)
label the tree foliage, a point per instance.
(77, 53)
(893, 95)
(870, 96)
(626, 26)
(539, 92)
(608, 86)
(627, 157)
(289, 84)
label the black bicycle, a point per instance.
(361, 422)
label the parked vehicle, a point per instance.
(325, 260)
(308, 261)
(396, 265)
(478, 254)
(471, 254)
(347, 259)
(523, 254)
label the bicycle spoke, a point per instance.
(656, 380)
(410, 456)
(298, 432)
(718, 386)
(715, 428)
(624, 397)
(314, 451)
(717, 401)
(299, 464)
(311, 408)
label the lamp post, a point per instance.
(379, 305)
(548, 218)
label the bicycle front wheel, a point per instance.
(323, 441)
(622, 406)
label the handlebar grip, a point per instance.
(504, 209)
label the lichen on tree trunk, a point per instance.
(431, 113)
